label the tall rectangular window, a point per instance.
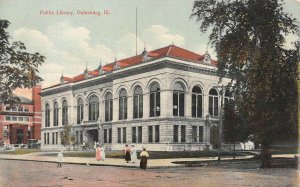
(119, 135)
(194, 133)
(200, 133)
(140, 136)
(53, 138)
(56, 137)
(183, 133)
(45, 138)
(150, 134)
(157, 133)
(110, 135)
(133, 134)
(124, 134)
(105, 135)
(175, 133)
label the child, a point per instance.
(60, 158)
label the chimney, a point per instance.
(36, 98)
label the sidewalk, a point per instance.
(152, 163)
(117, 162)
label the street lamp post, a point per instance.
(207, 123)
(221, 123)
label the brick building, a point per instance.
(23, 121)
(159, 99)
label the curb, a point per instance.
(92, 164)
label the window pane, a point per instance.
(194, 133)
(119, 135)
(182, 133)
(150, 134)
(111, 110)
(175, 133)
(135, 106)
(158, 104)
(193, 105)
(109, 135)
(181, 104)
(140, 106)
(125, 108)
(121, 108)
(216, 104)
(210, 105)
(124, 134)
(175, 103)
(200, 133)
(105, 136)
(133, 134)
(106, 111)
(152, 102)
(140, 134)
(199, 106)
(157, 133)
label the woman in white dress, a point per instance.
(133, 154)
(102, 153)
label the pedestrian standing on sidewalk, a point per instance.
(144, 157)
(133, 154)
(60, 159)
(102, 153)
(127, 153)
(98, 153)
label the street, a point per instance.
(29, 173)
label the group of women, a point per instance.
(131, 155)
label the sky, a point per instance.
(73, 41)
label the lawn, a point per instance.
(153, 154)
(21, 151)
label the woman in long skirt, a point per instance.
(98, 153)
(102, 153)
(133, 154)
(127, 153)
(144, 157)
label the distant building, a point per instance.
(158, 99)
(23, 121)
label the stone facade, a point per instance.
(155, 133)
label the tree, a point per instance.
(18, 68)
(67, 136)
(233, 126)
(249, 37)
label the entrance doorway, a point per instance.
(20, 135)
(92, 136)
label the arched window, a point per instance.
(79, 110)
(154, 99)
(213, 103)
(138, 102)
(93, 108)
(55, 114)
(123, 104)
(196, 102)
(47, 115)
(178, 99)
(108, 107)
(64, 112)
